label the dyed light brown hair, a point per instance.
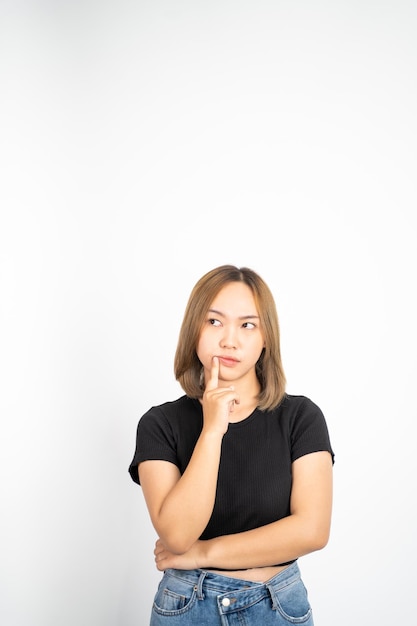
(269, 369)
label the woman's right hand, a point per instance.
(218, 402)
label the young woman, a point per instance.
(236, 473)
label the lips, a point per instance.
(228, 361)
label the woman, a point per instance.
(236, 474)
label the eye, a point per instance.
(249, 325)
(213, 322)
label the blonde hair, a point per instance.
(269, 369)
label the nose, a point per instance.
(229, 339)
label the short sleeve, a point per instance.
(309, 432)
(155, 441)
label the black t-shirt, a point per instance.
(255, 471)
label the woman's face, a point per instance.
(231, 331)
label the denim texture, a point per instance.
(203, 598)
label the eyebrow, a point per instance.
(241, 317)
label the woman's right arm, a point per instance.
(180, 506)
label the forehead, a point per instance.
(235, 299)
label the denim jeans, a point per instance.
(203, 598)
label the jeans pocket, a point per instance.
(174, 596)
(292, 602)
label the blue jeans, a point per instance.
(203, 598)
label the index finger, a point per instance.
(213, 381)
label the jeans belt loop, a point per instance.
(273, 596)
(199, 586)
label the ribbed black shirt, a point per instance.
(254, 480)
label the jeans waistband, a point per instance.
(201, 578)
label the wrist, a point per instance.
(204, 559)
(211, 435)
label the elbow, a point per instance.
(320, 542)
(175, 536)
(176, 543)
(319, 537)
(316, 534)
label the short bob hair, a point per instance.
(269, 370)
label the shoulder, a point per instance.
(160, 429)
(172, 412)
(295, 413)
(306, 424)
(174, 407)
(297, 405)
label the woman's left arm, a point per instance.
(305, 530)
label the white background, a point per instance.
(143, 143)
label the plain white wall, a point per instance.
(142, 144)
